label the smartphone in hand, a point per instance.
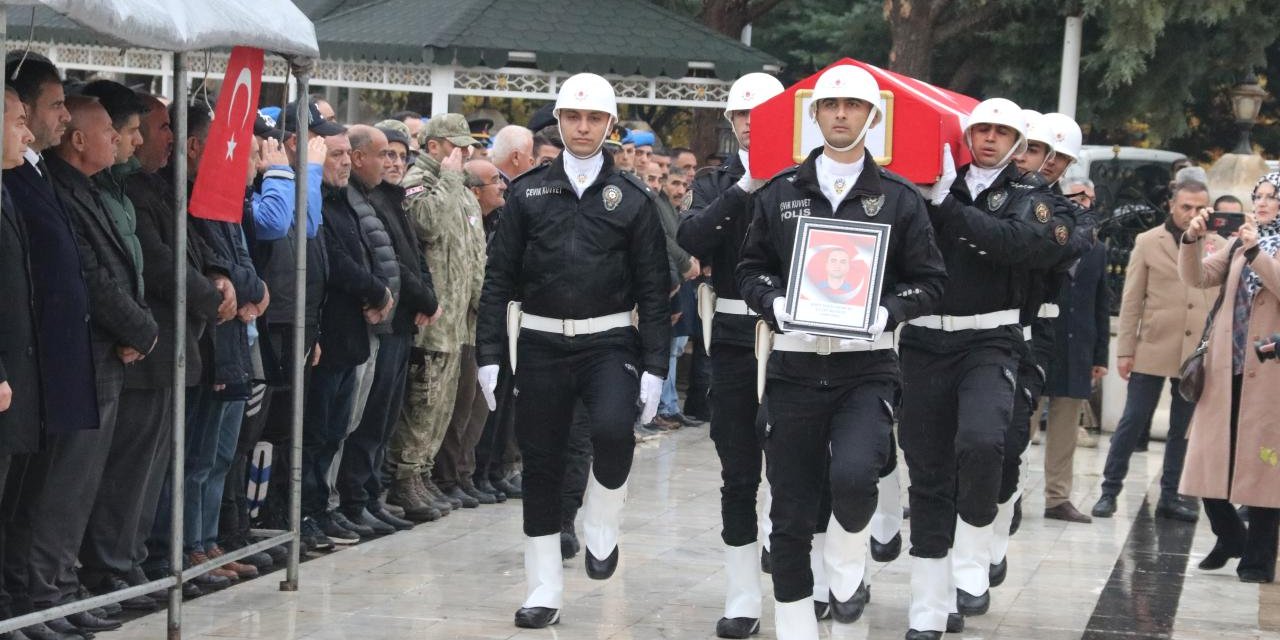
(1225, 223)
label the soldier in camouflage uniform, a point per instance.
(447, 219)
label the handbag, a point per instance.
(1191, 373)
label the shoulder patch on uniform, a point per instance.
(1042, 211)
(1061, 235)
(413, 191)
(996, 199)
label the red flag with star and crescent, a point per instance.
(219, 190)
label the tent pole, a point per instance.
(300, 348)
(180, 342)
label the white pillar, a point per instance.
(441, 88)
(1070, 80)
(353, 105)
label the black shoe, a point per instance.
(508, 489)
(189, 590)
(687, 421)
(536, 617)
(366, 519)
(766, 561)
(360, 529)
(737, 627)
(569, 545)
(89, 622)
(336, 533)
(1255, 576)
(601, 569)
(487, 487)
(209, 582)
(136, 603)
(997, 572)
(886, 552)
(397, 523)
(1219, 557)
(912, 634)
(437, 493)
(821, 610)
(476, 494)
(313, 536)
(1105, 507)
(970, 605)
(850, 610)
(457, 495)
(955, 623)
(1176, 509)
(1016, 522)
(42, 631)
(279, 554)
(1066, 512)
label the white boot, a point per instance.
(1000, 533)
(742, 600)
(932, 596)
(764, 524)
(544, 577)
(886, 523)
(601, 521)
(845, 560)
(971, 566)
(817, 566)
(794, 620)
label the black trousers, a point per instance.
(124, 511)
(549, 384)
(278, 429)
(697, 400)
(1030, 386)
(365, 450)
(498, 428)
(734, 413)
(577, 467)
(851, 424)
(954, 421)
(328, 412)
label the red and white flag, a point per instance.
(219, 190)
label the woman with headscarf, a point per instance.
(1233, 453)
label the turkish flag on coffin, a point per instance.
(219, 190)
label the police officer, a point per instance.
(579, 248)
(827, 398)
(959, 366)
(713, 230)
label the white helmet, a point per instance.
(750, 91)
(1067, 137)
(1002, 112)
(848, 81)
(1038, 128)
(588, 92)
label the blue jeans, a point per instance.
(670, 402)
(1139, 407)
(213, 426)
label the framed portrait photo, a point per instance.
(837, 272)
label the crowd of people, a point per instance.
(492, 315)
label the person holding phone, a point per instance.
(1232, 452)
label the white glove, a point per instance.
(780, 313)
(749, 184)
(650, 393)
(938, 192)
(488, 378)
(876, 329)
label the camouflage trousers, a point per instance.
(428, 407)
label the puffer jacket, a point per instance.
(381, 250)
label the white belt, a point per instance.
(735, 307)
(1026, 334)
(570, 328)
(991, 320)
(824, 345)
(1049, 310)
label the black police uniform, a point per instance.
(959, 385)
(840, 404)
(713, 230)
(570, 257)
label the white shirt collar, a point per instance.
(836, 179)
(978, 179)
(581, 172)
(746, 160)
(34, 158)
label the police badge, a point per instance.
(996, 200)
(612, 196)
(873, 205)
(1060, 234)
(1042, 212)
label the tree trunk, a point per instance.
(911, 29)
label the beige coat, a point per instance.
(1161, 319)
(1257, 460)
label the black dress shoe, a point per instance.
(569, 545)
(1067, 512)
(189, 590)
(1105, 507)
(89, 622)
(601, 569)
(850, 610)
(456, 494)
(397, 523)
(478, 495)
(737, 627)
(1256, 576)
(997, 572)
(487, 487)
(359, 528)
(821, 610)
(378, 527)
(1016, 522)
(44, 632)
(766, 561)
(912, 634)
(955, 623)
(536, 617)
(1218, 558)
(1176, 509)
(888, 551)
(510, 490)
(971, 605)
(136, 603)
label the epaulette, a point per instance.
(639, 184)
(1030, 180)
(786, 174)
(897, 178)
(535, 170)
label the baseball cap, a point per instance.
(265, 127)
(450, 126)
(395, 130)
(318, 125)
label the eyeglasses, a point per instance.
(393, 155)
(1261, 197)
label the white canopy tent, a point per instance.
(181, 26)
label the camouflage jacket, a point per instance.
(447, 219)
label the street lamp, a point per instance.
(726, 142)
(1246, 102)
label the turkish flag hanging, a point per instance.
(219, 190)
